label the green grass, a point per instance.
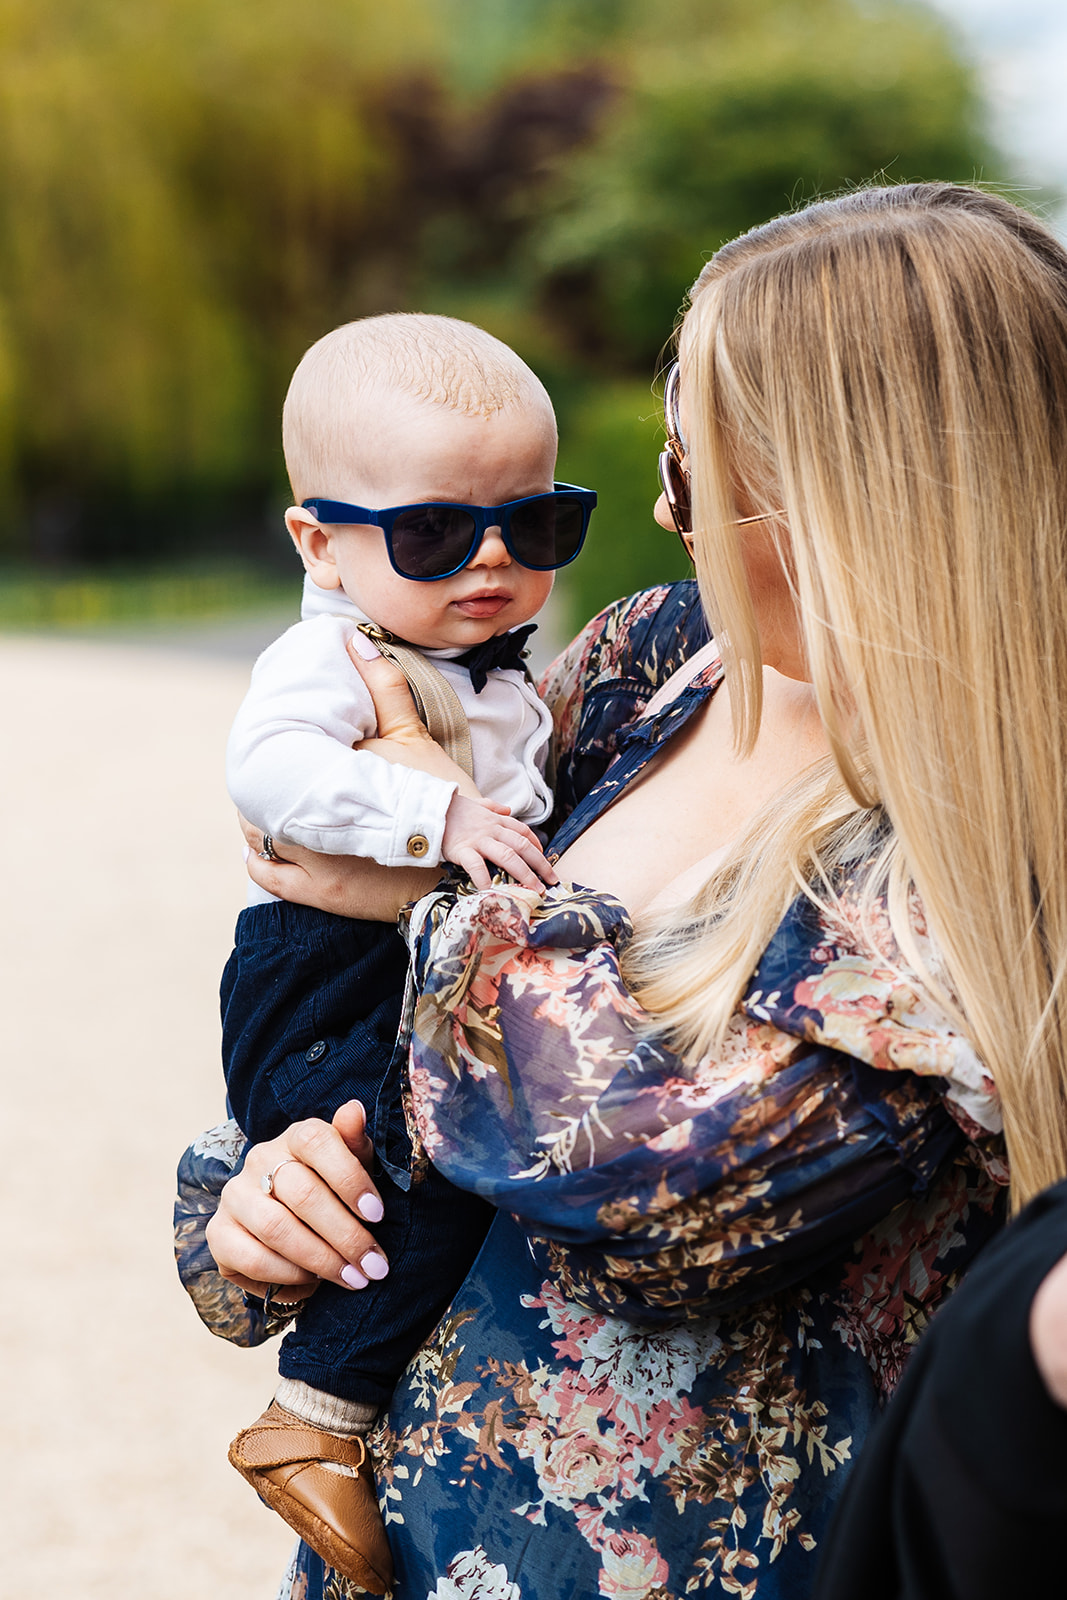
(34, 599)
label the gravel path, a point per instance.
(122, 878)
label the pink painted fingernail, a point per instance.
(375, 1266)
(364, 647)
(353, 1277)
(369, 1206)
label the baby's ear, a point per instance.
(314, 546)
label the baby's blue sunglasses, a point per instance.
(436, 540)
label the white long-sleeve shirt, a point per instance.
(294, 767)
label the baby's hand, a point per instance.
(477, 831)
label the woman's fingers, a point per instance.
(247, 1261)
(284, 876)
(253, 836)
(286, 1250)
(303, 1231)
(350, 1120)
(285, 1294)
(401, 736)
(349, 886)
(297, 1210)
(319, 1148)
(394, 707)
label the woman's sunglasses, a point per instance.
(672, 471)
(436, 540)
(674, 475)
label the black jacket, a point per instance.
(961, 1492)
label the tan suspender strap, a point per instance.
(435, 699)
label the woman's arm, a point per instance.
(349, 886)
(650, 1185)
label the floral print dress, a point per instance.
(704, 1278)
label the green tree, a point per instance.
(727, 115)
(182, 188)
(191, 193)
(597, 154)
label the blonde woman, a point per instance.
(740, 1107)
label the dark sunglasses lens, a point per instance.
(547, 533)
(432, 541)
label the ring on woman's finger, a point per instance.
(281, 1308)
(266, 1183)
(267, 853)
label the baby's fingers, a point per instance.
(535, 858)
(526, 854)
(511, 858)
(526, 841)
(472, 859)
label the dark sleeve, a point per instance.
(961, 1493)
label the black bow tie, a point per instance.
(502, 650)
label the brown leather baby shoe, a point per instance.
(336, 1514)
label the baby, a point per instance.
(421, 453)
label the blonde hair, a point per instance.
(337, 390)
(891, 369)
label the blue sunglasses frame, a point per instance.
(483, 517)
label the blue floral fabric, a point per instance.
(533, 1087)
(706, 1276)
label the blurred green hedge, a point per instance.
(191, 193)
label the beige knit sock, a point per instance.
(344, 1418)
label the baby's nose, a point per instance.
(492, 552)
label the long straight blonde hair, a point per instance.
(890, 368)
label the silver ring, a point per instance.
(266, 1183)
(268, 852)
(273, 1307)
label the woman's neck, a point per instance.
(696, 795)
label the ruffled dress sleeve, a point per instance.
(205, 1168)
(654, 1187)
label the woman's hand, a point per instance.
(309, 1226)
(402, 736)
(1048, 1331)
(349, 886)
(477, 831)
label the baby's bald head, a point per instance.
(336, 418)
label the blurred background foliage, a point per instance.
(191, 192)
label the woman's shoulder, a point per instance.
(642, 637)
(834, 974)
(607, 676)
